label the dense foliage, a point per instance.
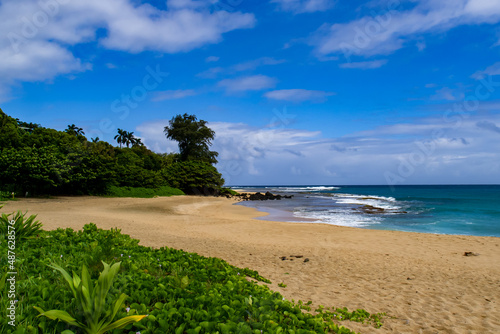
(195, 177)
(180, 292)
(194, 138)
(39, 161)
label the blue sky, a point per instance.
(298, 91)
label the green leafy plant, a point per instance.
(24, 227)
(282, 285)
(181, 292)
(98, 316)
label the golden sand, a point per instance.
(422, 281)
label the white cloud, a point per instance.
(137, 29)
(448, 94)
(38, 34)
(298, 95)
(365, 64)
(212, 59)
(247, 83)
(490, 126)
(393, 28)
(304, 6)
(154, 137)
(251, 65)
(173, 94)
(211, 73)
(423, 152)
(490, 70)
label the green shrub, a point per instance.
(19, 226)
(143, 192)
(98, 314)
(194, 177)
(5, 195)
(228, 191)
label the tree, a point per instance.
(121, 136)
(74, 130)
(131, 139)
(194, 138)
(127, 138)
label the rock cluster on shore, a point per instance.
(259, 196)
(369, 209)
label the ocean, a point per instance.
(439, 209)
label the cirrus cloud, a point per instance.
(393, 28)
(298, 95)
(247, 83)
(304, 6)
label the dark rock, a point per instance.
(297, 256)
(283, 258)
(471, 254)
(261, 197)
(306, 259)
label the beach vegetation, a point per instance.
(74, 130)
(6, 195)
(194, 177)
(180, 292)
(95, 313)
(127, 138)
(142, 192)
(228, 191)
(194, 138)
(38, 161)
(22, 227)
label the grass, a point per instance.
(143, 192)
(181, 292)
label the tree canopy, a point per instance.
(43, 161)
(194, 138)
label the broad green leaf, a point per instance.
(118, 304)
(58, 314)
(66, 276)
(121, 323)
(86, 281)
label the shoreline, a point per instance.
(422, 280)
(406, 211)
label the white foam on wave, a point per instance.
(312, 188)
(381, 202)
(338, 217)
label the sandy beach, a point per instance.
(423, 282)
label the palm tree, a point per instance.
(127, 138)
(74, 130)
(120, 137)
(95, 140)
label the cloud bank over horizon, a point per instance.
(431, 150)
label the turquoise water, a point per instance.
(457, 209)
